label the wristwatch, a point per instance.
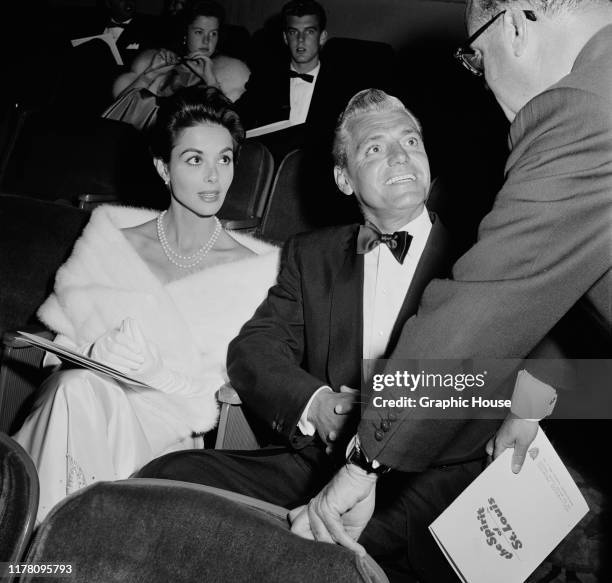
(357, 457)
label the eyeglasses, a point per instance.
(472, 59)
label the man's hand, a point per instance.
(329, 413)
(339, 512)
(514, 432)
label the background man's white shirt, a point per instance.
(116, 31)
(300, 96)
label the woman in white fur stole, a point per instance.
(158, 296)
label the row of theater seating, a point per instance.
(112, 531)
(86, 161)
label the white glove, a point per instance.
(127, 349)
(117, 348)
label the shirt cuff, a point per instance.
(305, 426)
(532, 399)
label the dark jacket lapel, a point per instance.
(436, 261)
(318, 95)
(346, 319)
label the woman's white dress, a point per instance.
(87, 427)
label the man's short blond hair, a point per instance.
(365, 101)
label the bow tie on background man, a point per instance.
(304, 76)
(370, 237)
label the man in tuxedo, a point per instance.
(132, 32)
(304, 89)
(343, 294)
(543, 253)
(284, 91)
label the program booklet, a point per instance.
(503, 525)
(267, 129)
(78, 359)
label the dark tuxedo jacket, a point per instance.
(308, 331)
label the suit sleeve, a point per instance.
(546, 241)
(265, 359)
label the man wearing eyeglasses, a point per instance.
(545, 247)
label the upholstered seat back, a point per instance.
(18, 503)
(248, 193)
(53, 157)
(160, 530)
(36, 237)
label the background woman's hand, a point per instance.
(203, 65)
(150, 70)
(163, 58)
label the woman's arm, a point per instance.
(149, 69)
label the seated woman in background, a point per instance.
(164, 71)
(158, 296)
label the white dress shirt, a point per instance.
(300, 95)
(116, 31)
(385, 284)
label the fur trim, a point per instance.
(192, 320)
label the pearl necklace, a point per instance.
(185, 261)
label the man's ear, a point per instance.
(162, 169)
(285, 38)
(342, 181)
(516, 30)
(323, 38)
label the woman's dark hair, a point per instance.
(203, 8)
(192, 106)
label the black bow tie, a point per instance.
(304, 76)
(369, 237)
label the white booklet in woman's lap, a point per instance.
(503, 525)
(78, 359)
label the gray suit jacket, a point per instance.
(545, 246)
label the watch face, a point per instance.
(358, 458)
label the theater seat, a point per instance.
(248, 193)
(36, 237)
(18, 503)
(59, 157)
(146, 530)
(234, 42)
(373, 63)
(286, 212)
